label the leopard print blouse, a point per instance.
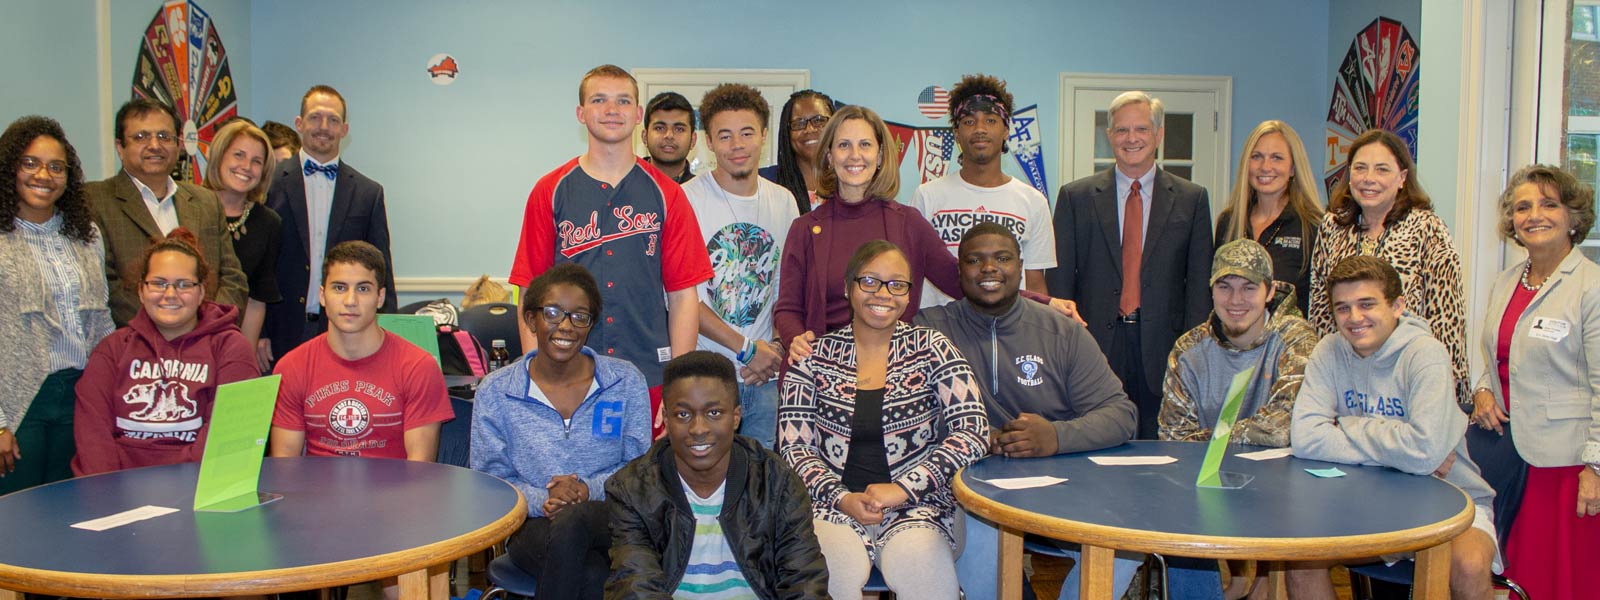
(1419, 247)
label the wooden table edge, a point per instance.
(310, 577)
(1206, 546)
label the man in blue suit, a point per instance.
(323, 201)
(1133, 249)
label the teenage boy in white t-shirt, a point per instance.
(743, 219)
(980, 112)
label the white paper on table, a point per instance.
(1122, 461)
(148, 511)
(1022, 483)
(1267, 454)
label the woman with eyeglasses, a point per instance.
(556, 424)
(799, 146)
(877, 421)
(53, 268)
(146, 396)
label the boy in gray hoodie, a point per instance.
(1381, 393)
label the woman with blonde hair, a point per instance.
(1276, 192)
(238, 170)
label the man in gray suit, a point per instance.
(142, 202)
(1133, 249)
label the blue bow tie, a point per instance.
(331, 171)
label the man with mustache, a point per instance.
(979, 192)
(143, 202)
(668, 135)
(323, 201)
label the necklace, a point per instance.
(1527, 269)
(237, 228)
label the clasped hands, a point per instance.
(565, 490)
(867, 507)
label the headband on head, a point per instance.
(983, 103)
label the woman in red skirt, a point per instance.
(1543, 339)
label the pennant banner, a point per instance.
(1027, 148)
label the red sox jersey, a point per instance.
(639, 238)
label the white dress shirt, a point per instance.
(1147, 185)
(319, 203)
(163, 210)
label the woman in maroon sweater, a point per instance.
(145, 397)
(859, 176)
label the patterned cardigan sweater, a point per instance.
(1419, 247)
(933, 425)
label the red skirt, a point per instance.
(1551, 548)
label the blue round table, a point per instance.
(1284, 514)
(340, 521)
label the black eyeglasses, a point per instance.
(871, 285)
(31, 165)
(162, 285)
(553, 315)
(804, 123)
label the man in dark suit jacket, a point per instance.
(1135, 325)
(142, 202)
(323, 201)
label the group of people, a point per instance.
(770, 404)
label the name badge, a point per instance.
(664, 354)
(1548, 329)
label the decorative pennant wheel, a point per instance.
(182, 64)
(1375, 88)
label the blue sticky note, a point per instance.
(1328, 472)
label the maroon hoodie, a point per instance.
(144, 400)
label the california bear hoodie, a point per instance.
(144, 400)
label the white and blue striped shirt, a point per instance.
(64, 283)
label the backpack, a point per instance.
(460, 353)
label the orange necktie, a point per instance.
(1132, 249)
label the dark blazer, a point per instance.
(1174, 292)
(358, 213)
(127, 227)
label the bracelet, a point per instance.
(747, 353)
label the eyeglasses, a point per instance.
(553, 315)
(804, 123)
(164, 138)
(162, 285)
(31, 165)
(871, 285)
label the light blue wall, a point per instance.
(52, 46)
(458, 161)
(130, 18)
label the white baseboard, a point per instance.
(448, 285)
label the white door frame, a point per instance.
(1219, 85)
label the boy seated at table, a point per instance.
(358, 390)
(707, 513)
(1382, 393)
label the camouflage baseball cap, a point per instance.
(1244, 258)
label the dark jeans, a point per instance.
(1127, 362)
(568, 554)
(45, 435)
(1503, 469)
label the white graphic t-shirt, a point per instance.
(744, 236)
(953, 206)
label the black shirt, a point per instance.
(868, 462)
(256, 243)
(688, 173)
(1289, 245)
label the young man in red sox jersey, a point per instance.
(358, 390)
(628, 224)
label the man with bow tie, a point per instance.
(323, 201)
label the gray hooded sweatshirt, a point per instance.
(1395, 408)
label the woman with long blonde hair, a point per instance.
(1276, 192)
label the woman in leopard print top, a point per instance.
(1380, 210)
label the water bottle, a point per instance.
(498, 355)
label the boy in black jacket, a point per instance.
(704, 477)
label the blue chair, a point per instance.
(455, 436)
(506, 579)
(1403, 573)
(494, 321)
